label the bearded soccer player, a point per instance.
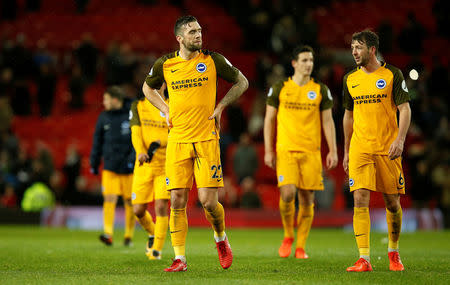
(373, 92)
(191, 75)
(299, 106)
(149, 137)
(112, 142)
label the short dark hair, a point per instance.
(183, 20)
(115, 92)
(368, 37)
(300, 49)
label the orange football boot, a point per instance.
(360, 266)
(300, 253)
(395, 263)
(285, 248)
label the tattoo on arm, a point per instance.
(235, 91)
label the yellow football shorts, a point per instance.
(149, 183)
(376, 173)
(116, 184)
(303, 169)
(201, 160)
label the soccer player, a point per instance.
(191, 75)
(112, 142)
(149, 136)
(299, 106)
(373, 92)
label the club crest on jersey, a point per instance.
(381, 83)
(312, 95)
(351, 182)
(201, 67)
(167, 181)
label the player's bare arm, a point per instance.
(396, 148)
(233, 94)
(269, 136)
(348, 131)
(156, 100)
(330, 135)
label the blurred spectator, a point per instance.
(441, 13)
(46, 82)
(77, 87)
(284, 36)
(228, 196)
(43, 164)
(249, 198)
(386, 35)
(237, 123)
(411, 37)
(112, 64)
(245, 160)
(86, 55)
(9, 197)
(71, 168)
(308, 28)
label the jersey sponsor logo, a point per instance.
(130, 116)
(404, 87)
(312, 95)
(280, 178)
(299, 106)
(381, 83)
(167, 181)
(188, 83)
(354, 86)
(270, 92)
(351, 182)
(133, 196)
(369, 99)
(201, 67)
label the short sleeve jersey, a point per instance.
(153, 126)
(374, 98)
(192, 87)
(299, 113)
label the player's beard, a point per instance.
(192, 46)
(364, 59)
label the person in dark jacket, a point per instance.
(112, 142)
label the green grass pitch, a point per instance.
(35, 255)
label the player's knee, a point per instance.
(139, 211)
(161, 209)
(209, 205)
(393, 206)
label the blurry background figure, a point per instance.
(77, 87)
(249, 198)
(46, 82)
(8, 199)
(86, 55)
(245, 160)
(228, 196)
(71, 168)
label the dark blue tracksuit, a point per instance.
(112, 141)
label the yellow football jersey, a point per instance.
(153, 127)
(374, 98)
(192, 87)
(298, 113)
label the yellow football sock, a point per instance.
(394, 223)
(287, 212)
(109, 209)
(361, 227)
(147, 223)
(162, 223)
(304, 221)
(217, 220)
(178, 230)
(130, 221)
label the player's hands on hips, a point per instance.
(143, 157)
(345, 162)
(396, 149)
(332, 160)
(217, 114)
(269, 159)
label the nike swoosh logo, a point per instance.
(353, 86)
(174, 70)
(175, 232)
(359, 235)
